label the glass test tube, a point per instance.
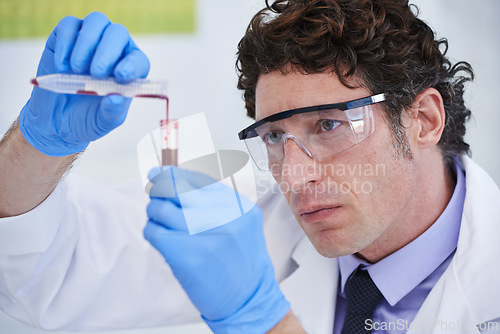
(169, 142)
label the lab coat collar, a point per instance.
(464, 296)
(478, 245)
(312, 296)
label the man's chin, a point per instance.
(330, 243)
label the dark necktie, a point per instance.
(362, 297)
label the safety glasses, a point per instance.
(320, 131)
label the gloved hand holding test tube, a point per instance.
(88, 85)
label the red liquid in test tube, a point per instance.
(169, 142)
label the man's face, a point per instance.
(352, 201)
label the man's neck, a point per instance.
(436, 186)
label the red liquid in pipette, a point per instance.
(168, 156)
(166, 100)
(163, 97)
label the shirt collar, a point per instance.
(399, 273)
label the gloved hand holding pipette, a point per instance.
(61, 124)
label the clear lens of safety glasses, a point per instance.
(320, 131)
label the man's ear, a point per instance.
(429, 116)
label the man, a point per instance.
(417, 232)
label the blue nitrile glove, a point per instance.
(226, 271)
(59, 124)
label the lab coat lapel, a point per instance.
(312, 288)
(444, 310)
(308, 280)
(468, 292)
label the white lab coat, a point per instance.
(78, 261)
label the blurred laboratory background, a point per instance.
(192, 44)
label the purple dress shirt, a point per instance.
(406, 277)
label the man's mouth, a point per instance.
(318, 213)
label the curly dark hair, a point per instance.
(381, 43)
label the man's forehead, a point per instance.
(277, 91)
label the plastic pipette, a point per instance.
(87, 85)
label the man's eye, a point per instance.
(328, 124)
(273, 137)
